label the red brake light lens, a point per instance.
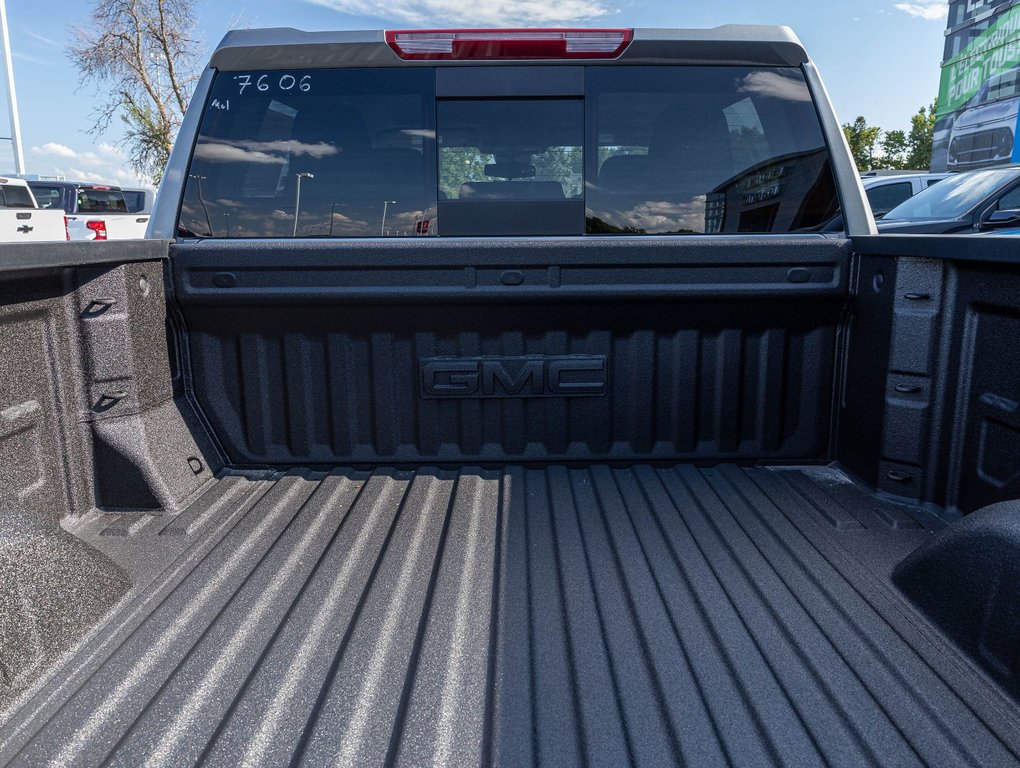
(99, 227)
(450, 44)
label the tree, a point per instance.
(894, 150)
(144, 53)
(862, 139)
(919, 141)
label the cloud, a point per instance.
(317, 150)
(53, 149)
(82, 175)
(932, 10)
(776, 86)
(214, 152)
(465, 13)
(28, 57)
(262, 152)
(661, 216)
(105, 163)
(109, 150)
(45, 40)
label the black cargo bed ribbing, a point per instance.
(561, 616)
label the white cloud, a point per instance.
(82, 175)
(215, 152)
(109, 150)
(466, 13)
(776, 85)
(932, 10)
(105, 163)
(661, 216)
(28, 57)
(53, 149)
(44, 40)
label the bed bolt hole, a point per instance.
(196, 465)
(878, 281)
(143, 285)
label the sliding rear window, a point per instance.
(643, 151)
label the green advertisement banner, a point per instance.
(997, 50)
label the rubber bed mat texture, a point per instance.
(597, 616)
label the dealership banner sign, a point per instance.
(997, 50)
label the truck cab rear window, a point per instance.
(511, 166)
(96, 200)
(373, 153)
(16, 197)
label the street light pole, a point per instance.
(201, 197)
(12, 97)
(297, 200)
(385, 206)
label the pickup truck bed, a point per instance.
(650, 577)
(568, 616)
(626, 466)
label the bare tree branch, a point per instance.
(142, 53)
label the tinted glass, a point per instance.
(46, 197)
(316, 153)
(647, 150)
(684, 150)
(887, 196)
(101, 201)
(135, 201)
(952, 198)
(17, 197)
(1009, 201)
(511, 166)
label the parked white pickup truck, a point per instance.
(93, 211)
(21, 221)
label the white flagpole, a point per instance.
(12, 96)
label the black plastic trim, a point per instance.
(19, 257)
(1001, 249)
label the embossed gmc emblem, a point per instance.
(478, 377)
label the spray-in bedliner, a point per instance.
(556, 616)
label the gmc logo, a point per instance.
(477, 377)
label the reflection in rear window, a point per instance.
(371, 153)
(316, 153)
(692, 150)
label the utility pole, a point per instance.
(297, 197)
(385, 207)
(12, 96)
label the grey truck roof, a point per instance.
(285, 47)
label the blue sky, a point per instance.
(879, 58)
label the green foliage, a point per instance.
(863, 140)
(460, 165)
(919, 141)
(900, 150)
(894, 150)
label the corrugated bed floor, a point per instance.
(647, 616)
